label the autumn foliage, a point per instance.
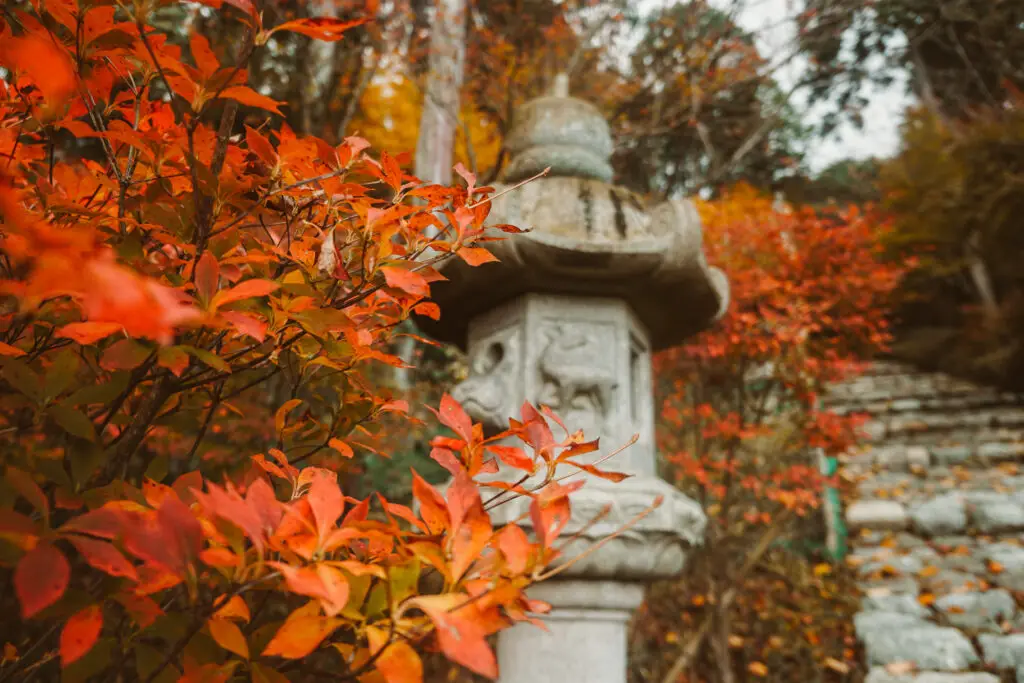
(740, 420)
(192, 310)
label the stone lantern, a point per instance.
(569, 317)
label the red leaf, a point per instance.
(460, 638)
(476, 256)
(406, 280)
(247, 290)
(446, 459)
(207, 276)
(433, 509)
(327, 503)
(398, 663)
(428, 309)
(453, 416)
(126, 354)
(104, 556)
(8, 350)
(250, 97)
(513, 457)
(515, 546)
(229, 636)
(40, 579)
(80, 634)
(319, 28)
(300, 635)
(261, 146)
(174, 359)
(29, 490)
(88, 333)
(246, 324)
(341, 447)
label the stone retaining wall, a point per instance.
(936, 524)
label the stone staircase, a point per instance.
(935, 515)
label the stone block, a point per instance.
(1000, 451)
(976, 610)
(918, 456)
(880, 675)
(998, 516)
(1002, 652)
(1008, 555)
(947, 581)
(940, 516)
(867, 623)
(951, 455)
(926, 645)
(877, 514)
(883, 601)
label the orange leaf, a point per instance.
(758, 669)
(406, 280)
(80, 634)
(235, 608)
(433, 509)
(40, 579)
(319, 28)
(28, 489)
(229, 636)
(476, 256)
(104, 556)
(515, 546)
(246, 290)
(453, 416)
(428, 309)
(207, 276)
(460, 638)
(248, 96)
(8, 350)
(399, 663)
(300, 634)
(341, 447)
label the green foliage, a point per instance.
(956, 192)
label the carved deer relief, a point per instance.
(576, 375)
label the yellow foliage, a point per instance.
(389, 118)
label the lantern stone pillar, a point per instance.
(569, 317)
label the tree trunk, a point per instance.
(440, 118)
(442, 92)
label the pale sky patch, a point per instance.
(772, 24)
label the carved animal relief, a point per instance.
(576, 376)
(488, 395)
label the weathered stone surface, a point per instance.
(951, 455)
(918, 456)
(1003, 652)
(926, 645)
(949, 581)
(977, 610)
(1008, 555)
(1000, 451)
(938, 447)
(880, 675)
(903, 564)
(943, 515)
(866, 623)
(893, 602)
(998, 516)
(903, 585)
(877, 514)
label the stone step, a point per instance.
(866, 390)
(979, 512)
(936, 458)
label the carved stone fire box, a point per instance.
(569, 317)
